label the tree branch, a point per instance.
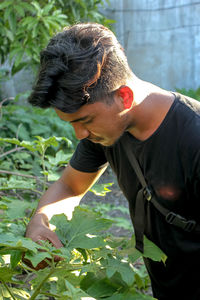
(20, 174)
(11, 151)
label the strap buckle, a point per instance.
(147, 194)
(179, 221)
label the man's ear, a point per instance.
(127, 96)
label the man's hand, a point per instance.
(38, 229)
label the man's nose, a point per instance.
(80, 131)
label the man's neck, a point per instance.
(151, 107)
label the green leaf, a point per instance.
(26, 144)
(8, 240)
(130, 295)
(6, 274)
(20, 10)
(37, 258)
(14, 183)
(72, 292)
(80, 231)
(48, 7)
(60, 158)
(17, 208)
(12, 21)
(9, 34)
(101, 289)
(114, 265)
(152, 251)
(101, 189)
(5, 4)
(15, 258)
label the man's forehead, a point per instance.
(72, 117)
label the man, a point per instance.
(85, 77)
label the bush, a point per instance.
(27, 26)
(190, 93)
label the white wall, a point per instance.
(161, 39)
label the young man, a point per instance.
(85, 77)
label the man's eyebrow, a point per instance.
(79, 119)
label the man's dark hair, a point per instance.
(83, 64)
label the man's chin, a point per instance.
(106, 143)
(101, 142)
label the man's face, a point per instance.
(98, 122)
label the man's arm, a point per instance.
(61, 197)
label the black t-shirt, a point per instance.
(170, 162)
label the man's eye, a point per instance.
(87, 122)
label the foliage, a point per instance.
(190, 93)
(108, 210)
(27, 26)
(94, 264)
(36, 154)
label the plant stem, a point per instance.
(19, 174)
(20, 188)
(37, 291)
(50, 295)
(44, 170)
(8, 289)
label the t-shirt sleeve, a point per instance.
(88, 157)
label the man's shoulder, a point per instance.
(189, 102)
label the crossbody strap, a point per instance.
(144, 195)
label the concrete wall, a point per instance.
(161, 39)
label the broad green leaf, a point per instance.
(8, 240)
(18, 184)
(114, 265)
(37, 258)
(83, 225)
(85, 242)
(152, 251)
(101, 289)
(17, 208)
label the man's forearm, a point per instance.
(58, 199)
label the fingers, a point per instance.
(53, 238)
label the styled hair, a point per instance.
(82, 64)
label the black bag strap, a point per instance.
(146, 194)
